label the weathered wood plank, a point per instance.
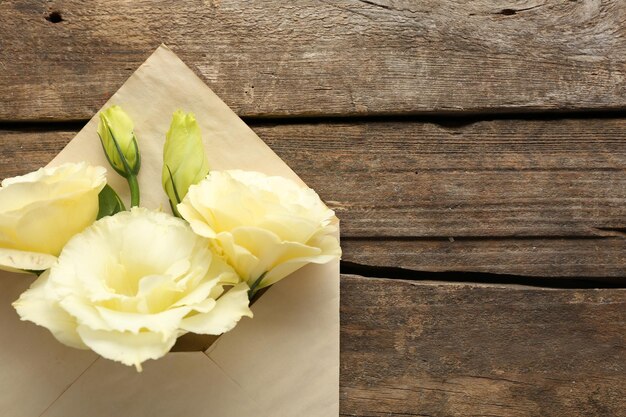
(440, 350)
(28, 149)
(599, 259)
(497, 178)
(62, 59)
(484, 185)
(493, 179)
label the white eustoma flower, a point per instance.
(130, 284)
(266, 226)
(41, 211)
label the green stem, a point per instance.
(134, 190)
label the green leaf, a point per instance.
(255, 284)
(175, 198)
(109, 202)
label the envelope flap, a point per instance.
(180, 384)
(285, 361)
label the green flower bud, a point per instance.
(184, 160)
(118, 140)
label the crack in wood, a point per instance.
(511, 12)
(373, 271)
(612, 231)
(382, 6)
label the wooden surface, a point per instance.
(468, 350)
(404, 116)
(341, 57)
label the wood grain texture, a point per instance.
(597, 259)
(61, 59)
(464, 350)
(501, 178)
(28, 149)
(534, 198)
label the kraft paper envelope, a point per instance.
(284, 362)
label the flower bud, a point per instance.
(118, 140)
(184, 160)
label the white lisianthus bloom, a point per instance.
(265, 226)
(41, 211)
(130, 284)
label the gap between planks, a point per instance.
(450, 120)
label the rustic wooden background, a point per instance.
(474, 150)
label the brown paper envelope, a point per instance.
(284, 362)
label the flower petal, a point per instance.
(128, 348)
(17, 260)
(165, 322)
(245, 263)
(228, 310)
(266, 252)
(33, 305)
